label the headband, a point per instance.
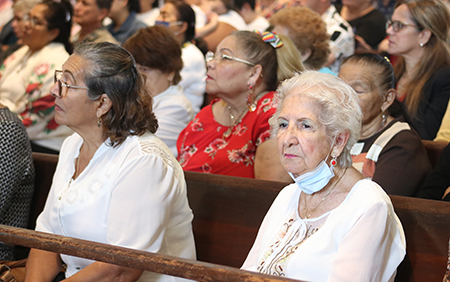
(271, 38)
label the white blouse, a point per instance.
(132, 196)
(360, 240)
(193, 75)
(173, 111)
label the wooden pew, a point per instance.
(434, 150)
(228, 212)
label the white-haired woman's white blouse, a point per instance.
(131, 196)
(360, 240)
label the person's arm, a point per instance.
(42, 266)
(403, 165)
(208, 28)
(222, 31)
(268, 164)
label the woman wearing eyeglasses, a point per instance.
(27, 75)
(232, 135)
(417, 34)
(115, 182)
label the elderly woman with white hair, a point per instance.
(331, 224)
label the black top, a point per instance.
(432, 107)
(371, 27)
(439, 180)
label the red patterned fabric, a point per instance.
(203, 147)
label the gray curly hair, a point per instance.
(337, 102)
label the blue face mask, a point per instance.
(163, 23)
(314, 181)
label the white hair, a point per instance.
(337, 103)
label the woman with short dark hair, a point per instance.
(158, 56)
(116, 182)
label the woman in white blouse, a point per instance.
(116, 182)
(158, 56)
(332, 224)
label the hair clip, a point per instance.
(271, 38)
(387, 59)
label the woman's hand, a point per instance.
(42, 266)
(100, 271)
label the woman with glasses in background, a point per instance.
(115, 182)
(27, 74)
(231, 136)
(417, 34)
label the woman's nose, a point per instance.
(291, 136)
(54, 90)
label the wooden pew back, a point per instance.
(228, 212)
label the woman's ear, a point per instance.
(255, 74)
(339, 143)
(104, 105)
(388, 99)
(53, 34)
(424, 37)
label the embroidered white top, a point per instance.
(360, 240)
(132, 196)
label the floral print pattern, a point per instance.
(209, 147)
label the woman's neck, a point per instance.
(375, 126)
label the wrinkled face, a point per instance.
(302, 139)
(36, 34)
(74, 109)
(86, 12)
(406, 40)
(227, 77)
(365, 83)
(18, 23)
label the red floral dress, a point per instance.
(205, 145)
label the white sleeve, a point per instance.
(372, 249)
(140, 206)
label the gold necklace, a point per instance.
(227, 133)
(323, 199)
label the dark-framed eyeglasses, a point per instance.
(220, 57)
(398, 25)
(58, 76)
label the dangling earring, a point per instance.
(384, 117)
(251, 101)
(333, 162)
(99, 122)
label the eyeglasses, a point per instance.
(58, 76)
(219, 57)
(398, 25)
(33, 21)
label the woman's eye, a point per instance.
(283, 124)
(305, 125)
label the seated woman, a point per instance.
(158, 56)
(308, 32)
(417, 34)
(179, 17)
(16, 175)
(437, 185)
(231, 136)
(27, 75)
(387, 144)
(332, 224)
(115, 182)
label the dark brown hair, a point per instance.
(111, 70)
